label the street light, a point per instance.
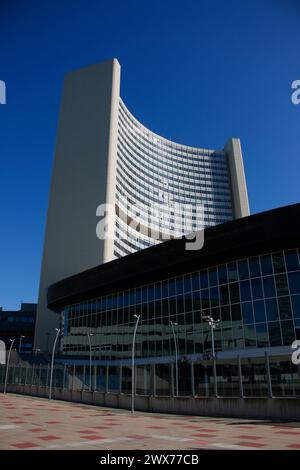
(20, 342)
(52, 361)
(7, 365)
(176, 355)
(213, 324)
(89, 335)
(133, 371)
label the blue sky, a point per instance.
(195, 71)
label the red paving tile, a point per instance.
(155, 427)
(25, 445)
(294, 446)
(250, 444)
(200, 443)
(246, 427)
(137, 436)
(289, 433)
(52, 422)
(91, 437)
(36, 430)
(100, 427)
(48, 438)
(203, 435)
(247, 436)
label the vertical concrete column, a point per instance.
(239, 362)
(106, 380)
(192, 380)
(269, 380)
(120, 380)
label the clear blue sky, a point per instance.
(195, 71)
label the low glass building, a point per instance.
(246, 277)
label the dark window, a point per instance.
(205, 298)
(236, 312)
(222, 274)
(262, 335)
(281, 284)
(234, 292)
(225, 314)
(284, 305)
(243, 269)
(291, 259)
(213, 278)
(271, 309)
(247, 311)
(294, 282)
(259, 311)
(269, 286)
(187, 283)
(214, 296)
(195, 282)
(232, 272)
(278, 262)
(257, 291)
(288, 333)
(245, 291)
(296, 305)
(203, 279)
(172, 288)
(179, 285)
(224, 294)
(254, 267)
(266, 265)
(274, 334)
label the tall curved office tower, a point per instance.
(154, 188)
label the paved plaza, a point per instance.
(35, 423)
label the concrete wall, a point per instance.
(238, 180)
(255, 408)
(84, 161)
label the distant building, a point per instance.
(18, 325)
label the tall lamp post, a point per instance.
(7, 365)
(89, 335)
(137, 317)
(20, 342)
(52, 361)
(213, 324)
(176, 355)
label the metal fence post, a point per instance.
(120, 380)
(240, 376)
(267, 360)
(192, 380)
(106, 380)
(73, 377)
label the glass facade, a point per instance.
(257, 300)
(164, 188)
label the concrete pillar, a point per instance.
(192, 380)
(240, 376)
(269, 380)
